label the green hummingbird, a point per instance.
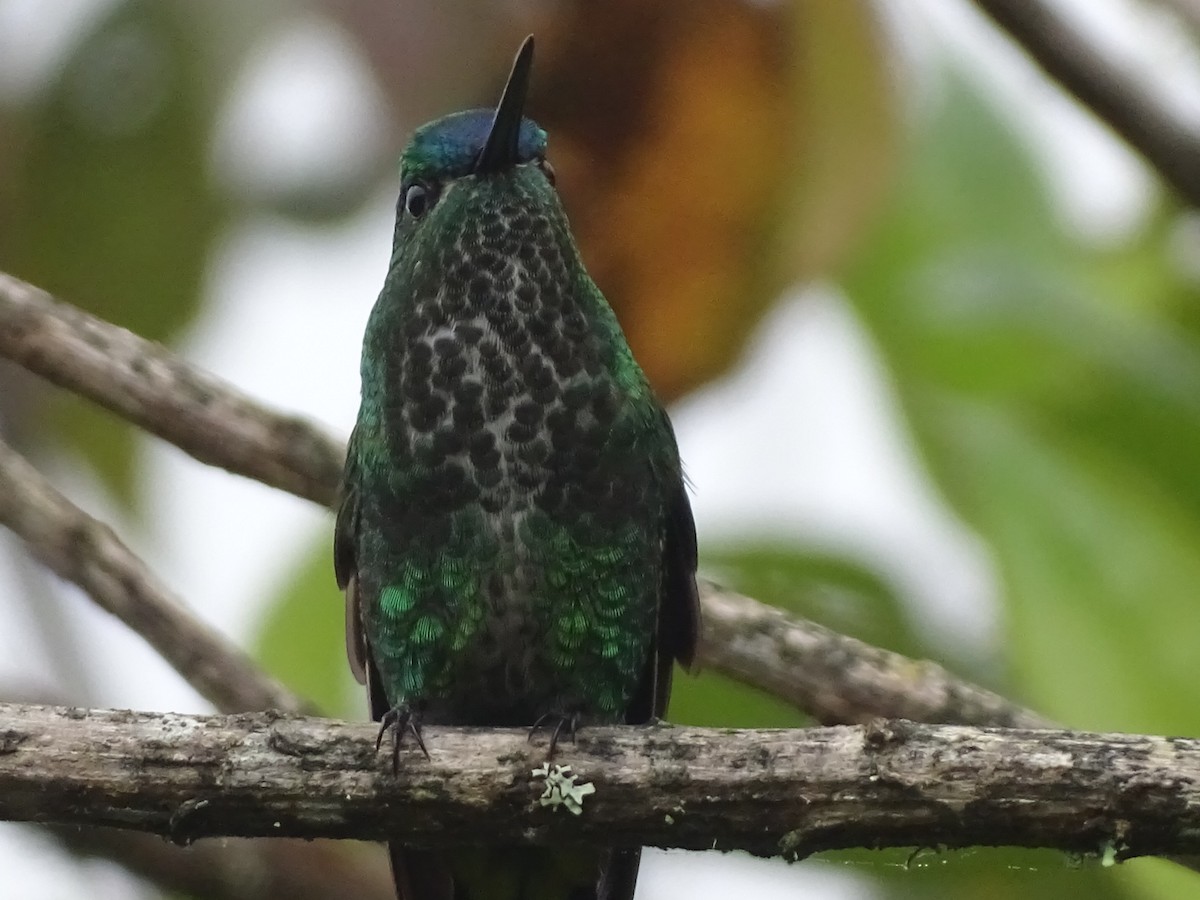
(514, 539)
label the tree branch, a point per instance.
(837, 679)
(888, 784)
(155, 390)
(86, 552)
(230, 869)
(832, 677)
(1169, 143)
(1187, 10)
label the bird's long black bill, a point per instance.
(500, 151)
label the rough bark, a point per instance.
(890, 783)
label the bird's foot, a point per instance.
(559, 724)
(400, 720)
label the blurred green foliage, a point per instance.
(1055, 406)
(1052, 388)
(107, 197)
(300, 637)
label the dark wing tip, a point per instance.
(682, 601)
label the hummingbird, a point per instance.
(514, 538)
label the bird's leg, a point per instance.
(560, 724)
(401, 719)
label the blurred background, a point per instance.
(929, 331)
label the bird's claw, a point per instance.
(560, 724)
(400, 720)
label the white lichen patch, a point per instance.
(561, 788)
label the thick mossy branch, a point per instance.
(781, 792)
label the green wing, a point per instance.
(677, 630)
(679, 607)
(345, 565)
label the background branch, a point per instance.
(838, 679)
(768, 791)
(87, 552)
(1168, 142)
(1187, 10)
(152, 388)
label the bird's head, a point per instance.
(481, 153)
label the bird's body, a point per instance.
(514, 538)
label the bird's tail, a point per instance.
(420, 875)
(522, 873)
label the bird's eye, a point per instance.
(417, 200)
(548, 170)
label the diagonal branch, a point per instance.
(1170, 143)
(1187, 10)
(838, 679)
(834, 678)
(790, 792)
(154, 389)
(87, 552)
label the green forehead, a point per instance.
(448, 147)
